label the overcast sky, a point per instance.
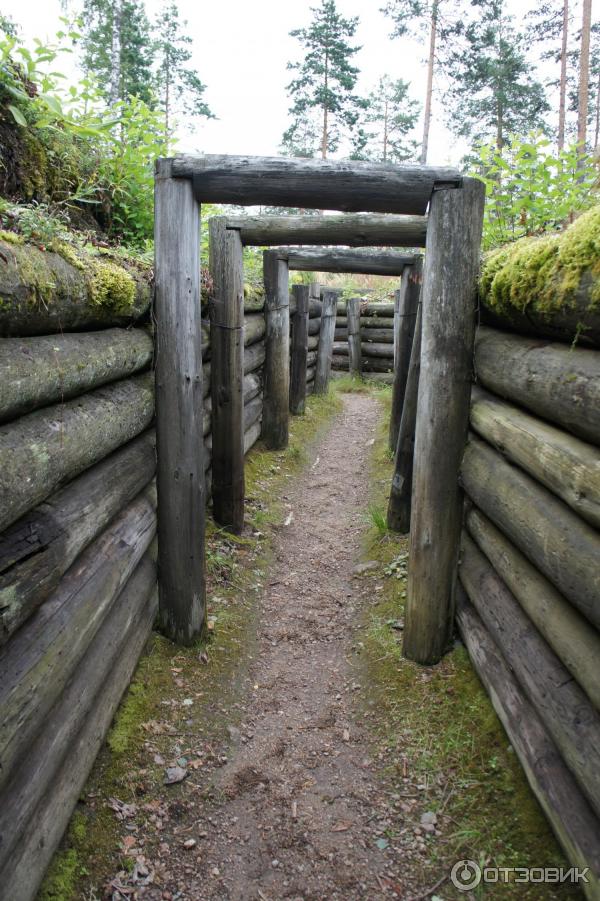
(241, 48)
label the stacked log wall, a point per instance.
(528, 597)
(376, 334)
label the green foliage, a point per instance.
(390, 114)
(545, 273)
(531, 190)
(324, 84)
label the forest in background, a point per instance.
(78, 152)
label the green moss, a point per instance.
(68, 253)
(111, 286)
(11, 237)
(544, 274)
(66, 868)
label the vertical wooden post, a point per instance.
(325, 348)
(448, 299)
(398, 514)
(299, 350)
(179, 408)
(227, 374)
(354, 343)
(276, 398)
(314, 291)
(405, 313)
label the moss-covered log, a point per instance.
(570, 635)
(35, 372)
(43, 292)
(566, 465)
(560, 384)
(562, 705)
(568, 811)
(549, 285)
(31, 856)
(38, 549)
(560, 544)
(36, 665)
(42, 451)
(34, 774)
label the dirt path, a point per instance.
(300, 810)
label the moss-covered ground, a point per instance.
(436, 729)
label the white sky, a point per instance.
(241, 47)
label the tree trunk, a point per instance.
(353, 336)
(584, 75)
(563, 76)
(115, 53)
(429, 89)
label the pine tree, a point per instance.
(322, 92)
(584, 73)
(117, 48)
(550, 25)
(389, 116)
(179, 87)
(492, 92)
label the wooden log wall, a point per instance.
(529, 597)
(376, 338)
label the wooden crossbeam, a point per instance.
(351, 230)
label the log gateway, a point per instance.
(452, 235)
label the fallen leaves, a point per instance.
(123, 811)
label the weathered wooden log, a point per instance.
(38, 662)
(77, 742)
(316, 259)
(313, 342)
(227, 323)
(575, 643)
(41, 292)
(562, 705)
(376, 364)
(341, 321)
(354, 343)
(252, 412)
(569, 467)
(252, 386)
(299, 350)
(254, 328)
(560, 544)
(325, 349)
(340, 362)
(377, 308)
(275, 423)
(33, 775)
(569, 814)
(179, 408)
(38, 549)
(378, 335)
(314, 304)
(205, 379)
(310, 374)
(340, 335)
(559, 383)
(340, 348)
(252, 436)
(448, 298)
(374, 349)
(35, 372)
(398, 512)
(314, 184)
(254, 357)
(314, 326)
(311, 358)
(45, 449)
(377, 320)
(352, 231)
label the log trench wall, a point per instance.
(528, 598)
(376, 338)
(78, 550)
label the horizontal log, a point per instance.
(32, 855)
(252, 412)
(567, 810)
(35, 372)
(205, 379)
(314, 184)
(254, 357)
(313, 342)
(560, 384)
(41, 292)
(340, 348)
(37, 550)
(36, 665)
(377, 335)
(562, 705)
(340, 362)
(314, 326)
(569, 467)
(377, 364)
(311, 358)
(383, 309)
(340, 334)
(254, 328)
(377, 320)
(341, 321)
(376, 349)
(563, 547)
(350, 230)
(310, 373)
(32, 777)
(570, 635)
(314, 307)
(369, 262)
(42, 451)
(251, 436)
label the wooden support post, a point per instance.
(354, 346)
(275, 422)
(299, 350)
(398, 514)
(227, 375)
(405, 314)
(325, 349)
(179, 408)
(448, 298)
